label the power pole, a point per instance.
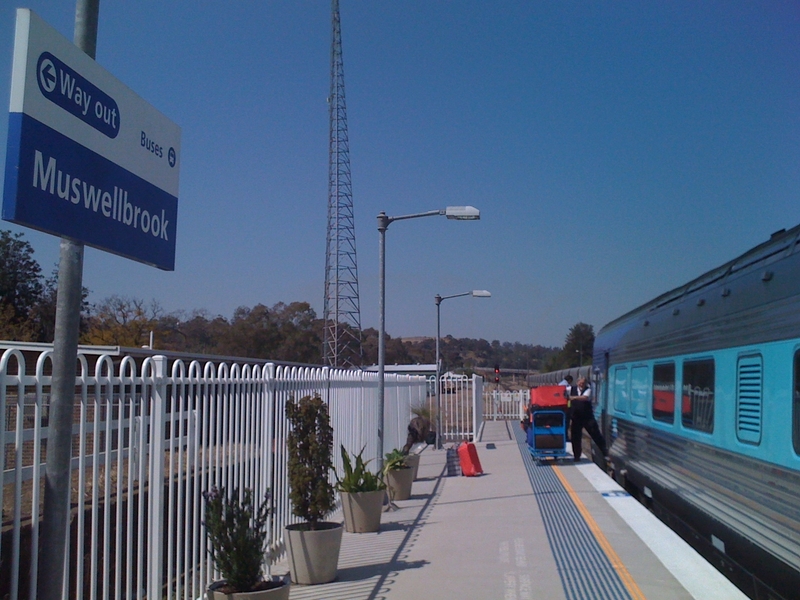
(342, 313)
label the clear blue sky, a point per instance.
(615, 150)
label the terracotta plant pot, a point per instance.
(362, 511)
(399, 483)
(313, 555)
(278, 593)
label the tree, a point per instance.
(43, 314)
(121, 321)
(580, 344)
(198, 332)
(253, 333)
(20, 287)
(396, 351)
(577, 351)
(300, 332)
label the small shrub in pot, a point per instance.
(236, 528)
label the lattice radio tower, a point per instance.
(342, 336)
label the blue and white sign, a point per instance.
(87, 158)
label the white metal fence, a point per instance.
(498, 406)
(461, 407)
(149, 437)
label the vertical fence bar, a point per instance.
(3, 433)
(145, 479)
(107, 433)
(156, 369)
(207, 432)
(134, 460)
(193, 552)
(477, 405)
(17, 380)
(81, 488)
(37, 458)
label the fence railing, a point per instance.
(461, 407)
(498, 406)
(150, 435)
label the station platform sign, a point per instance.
(87, 158)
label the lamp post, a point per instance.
(459, 213)
(438, 299)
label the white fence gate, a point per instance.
(498, 405)
(149, 437)
(461, 407)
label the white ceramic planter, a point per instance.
(412, 460)
(399, 483)
(362, 511)
(281, 593)
(313, 555)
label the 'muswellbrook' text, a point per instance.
(113, 205)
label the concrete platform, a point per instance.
(521, 531)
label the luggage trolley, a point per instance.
(547, 434)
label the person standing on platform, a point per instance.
(583, 418)
(568, 391)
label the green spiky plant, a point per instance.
(356, 477)
(395, 460)
(310, 446)
(237, 532)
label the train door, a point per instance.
(601, 385)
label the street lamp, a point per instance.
(459, 213)
(438, 299)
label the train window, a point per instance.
(749, 374)
(664, 392)
(640, 389)
(796, 404)
(697, 404)
(621, 389)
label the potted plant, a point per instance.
(398, 475)
(362, 494)
(313, 545)
(412, 461)
(236, 529)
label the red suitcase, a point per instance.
(468, 457)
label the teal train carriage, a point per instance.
(699, 399)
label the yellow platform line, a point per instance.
(616, 562)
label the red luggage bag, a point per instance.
(468, 457)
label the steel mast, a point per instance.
(342, 314)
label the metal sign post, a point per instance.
(52, 581)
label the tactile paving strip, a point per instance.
(586, 571)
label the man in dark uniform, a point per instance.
(582, 417)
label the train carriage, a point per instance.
(699, 398)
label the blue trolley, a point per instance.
(547, 435)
